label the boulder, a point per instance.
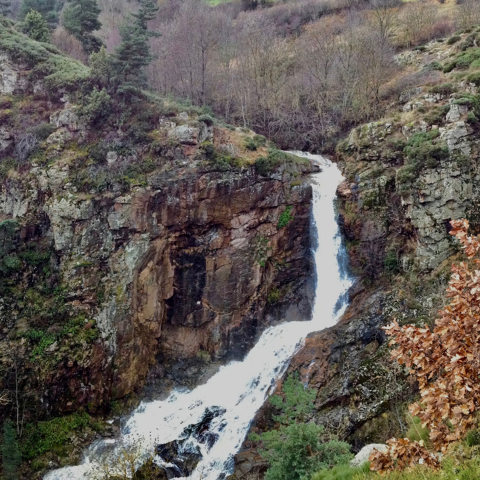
(364, 454)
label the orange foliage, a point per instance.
(446, 363)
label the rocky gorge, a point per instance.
(142, 254)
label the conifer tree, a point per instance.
(46, 8)
(80, 18)
(134, 53)
(5, 7)
(11, 455)
(36, 27)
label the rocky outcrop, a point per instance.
(175, 271)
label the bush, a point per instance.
(295, 451)
(97, 106)
(464, 60)
(453, 39)
(443, 89)
(42, 131)
(266, 165)
(11, 454)
(206, 119)
(250, 144)
(285, 217)
(5, 116)
(422, 152)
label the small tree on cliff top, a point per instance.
(446, 363)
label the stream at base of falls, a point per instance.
(211, 422)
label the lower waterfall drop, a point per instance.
(206, 427)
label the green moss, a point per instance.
(52, 434)
(464, 60)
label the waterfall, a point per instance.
(211, 422)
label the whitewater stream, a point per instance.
(223, 408)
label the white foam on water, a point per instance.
(239, 388)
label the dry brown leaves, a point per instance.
(446, 363)
(400, 454)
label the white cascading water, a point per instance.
(239, 389)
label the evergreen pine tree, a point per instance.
(36, 27)
(48, 9)
(134, 53)
(80, 18)
(6, 7)
(10, 452)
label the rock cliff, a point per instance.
(146, 247)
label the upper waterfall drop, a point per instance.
(239, 389)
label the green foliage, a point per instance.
(35, 26)
(295, 451)
(262, 250)
(266, 165)
(285, 217)
(464, 60)
(48, 9)
(80, 18)
(41, 341)
(9, 230)
(206, 119)
(96, 107)
(47, 62)
(471, 101)
(46, 436)
(42, 130)
(273, 296)
(422, 151)
(11, 455)
(134, 53)
(453, 39)
(390, 263)
(5, 7)
(416, 432)
(295, 403)
(342, 472)
(443, 89)
(250, 144)
(474, 78)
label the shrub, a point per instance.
(97, 106)
(474, 78)
(206, 119)
(250, 144)
(443, 89)
(42, 131)
(266, 165)
(285, 217)
(453, 39)
(295, 451)
(464, 60)
(421, 150)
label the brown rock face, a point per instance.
(174, 274)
